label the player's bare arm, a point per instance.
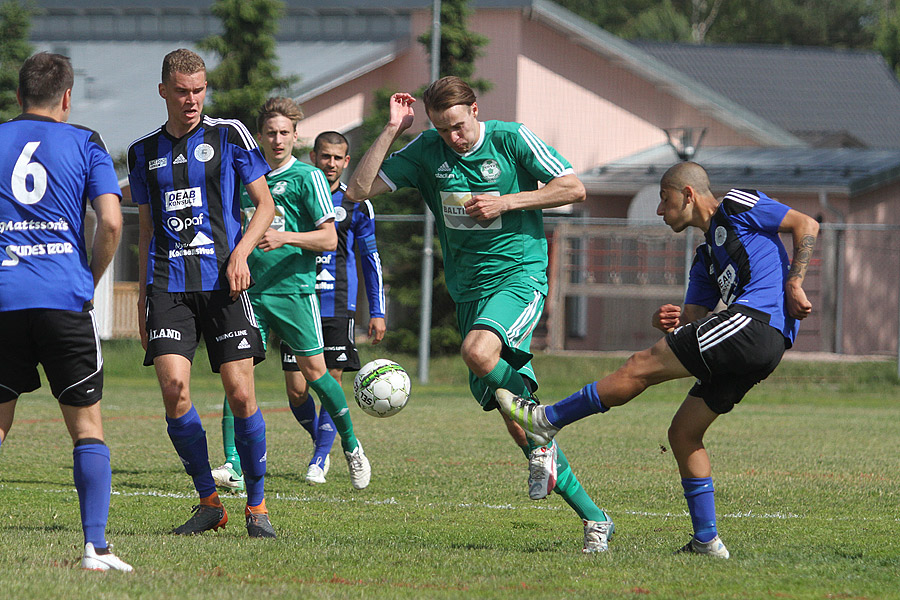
(365, 182)
(107, 234)
(560, 191)
(145, 233)
(804, 230)
(322, 239)
(237, 272)
(670, 316)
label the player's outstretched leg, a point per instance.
(542, 423)
(229, 475)
(332, 396)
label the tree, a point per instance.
(459, 46)
(15, 23)
(887, 36)
(247, 74)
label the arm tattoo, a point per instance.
(802, 255)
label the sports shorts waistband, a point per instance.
(751, 312)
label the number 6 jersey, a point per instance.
(48, 170)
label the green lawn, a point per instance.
(806, 471)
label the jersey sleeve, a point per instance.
(101, 178)
(315, 194)
(137, 178)
(364, 233)
(755, 210)
(401, 169)
(249, 161)
(543, 162)
(700, 289)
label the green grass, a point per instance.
(806, 471)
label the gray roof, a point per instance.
(849, 171)
(825, 96)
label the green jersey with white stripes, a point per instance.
(481, 256)
(302, 203)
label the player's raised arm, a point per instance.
(560, 191)
(804, 230)
(238, 272)
(365, 182)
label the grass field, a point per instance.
(806, 471)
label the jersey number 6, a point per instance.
(20, 174)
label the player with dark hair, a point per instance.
(48, 171)
(185, 177)
(480, 179)
(284, 299)
(743, 264)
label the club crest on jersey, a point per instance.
(279, 188)
(178, 199)
(340, 213)
(204, 152)
(490, 170)
(721, 234)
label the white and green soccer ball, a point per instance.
(381, 388)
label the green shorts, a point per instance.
(512, 313)
(294, 318)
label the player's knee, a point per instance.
(479, 359)
(174, 391)
(684, 440)
(296, 396)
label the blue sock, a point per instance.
(250, 439)
(189, 438)
(306, 416)
(581, 404)
(701, 501)
(93, 480)
(324, 437)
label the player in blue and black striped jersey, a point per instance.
(186, 177)
(49, 170)
(744, 265)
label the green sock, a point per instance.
(231, 453)
(504, 376)
(332, 397)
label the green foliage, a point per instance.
(247, 74)
(459, 46)
(887, 36)
(15, 23)
(661, 23)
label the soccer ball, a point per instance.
(381, 388)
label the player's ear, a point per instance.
(19, 97)
(475, 109)
(162, 91)
(67, 100)
(688, 194)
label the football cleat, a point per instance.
(596, 535)
(528, 414)
(542, 471)
(205, 517)
(316, 473)
(360, 470)
(258, 524)
(713, 547)
(92, 561)
(227, 477)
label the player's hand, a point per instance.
(484, 207)
(798, 305)
(271, 240)
(402, 114)
(142, 323)
(376, 329)
(238, 274)
(666, 317)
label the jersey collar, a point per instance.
(478, 144)
(283, 167)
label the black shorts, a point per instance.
(728, 352)
(340, 350)
(175, 321)
(65, 342)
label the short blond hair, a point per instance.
(181, 61)
(447, 92)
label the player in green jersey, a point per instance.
(480, 180)
(283, 266)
